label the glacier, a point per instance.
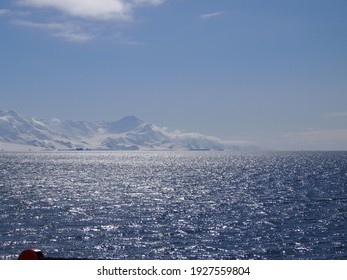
(19, 132)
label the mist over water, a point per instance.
(174, 205)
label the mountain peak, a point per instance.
(130, 118)
(124, 124)
(8, 113)
(128, 133)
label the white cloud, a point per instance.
(73, 36)
(81, 20)
(66, 30)
(101, 9)
(43, 26)
(148, 2)
(4, 12)
(211, 15)
(93, 9)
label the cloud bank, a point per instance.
(329, 139)
(93, 9)
(80, 20)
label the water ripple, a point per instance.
(170, 205)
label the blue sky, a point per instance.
(271, 72)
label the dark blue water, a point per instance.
(174, 205)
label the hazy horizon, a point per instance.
(271, 73)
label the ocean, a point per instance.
(174, 205)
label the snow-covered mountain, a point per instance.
(129, 133)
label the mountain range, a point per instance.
(20, 132)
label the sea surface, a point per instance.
(174, 205)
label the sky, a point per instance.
(268, 72)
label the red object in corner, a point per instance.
(31, 254)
